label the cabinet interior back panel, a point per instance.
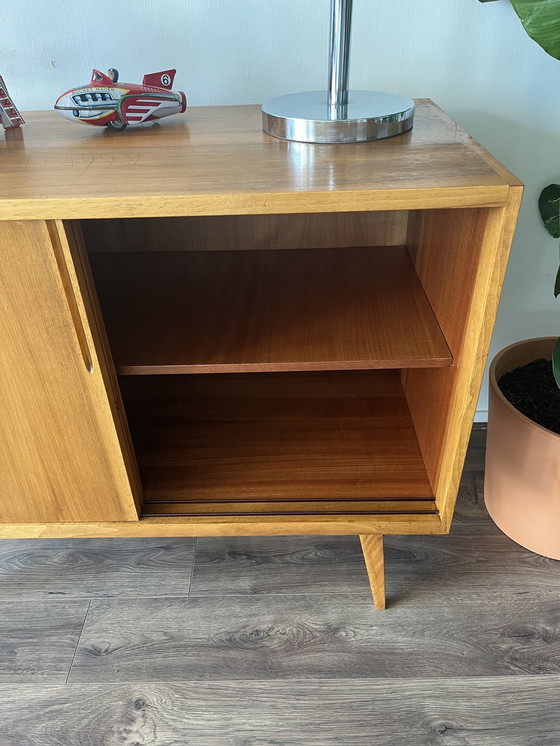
(233, 232)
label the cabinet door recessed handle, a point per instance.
(69, 292)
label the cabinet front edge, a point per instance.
(370, 200)
(177, 527)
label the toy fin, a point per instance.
(163, 79)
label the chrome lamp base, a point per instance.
(308, 117)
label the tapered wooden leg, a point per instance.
(372, 547)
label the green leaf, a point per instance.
(541, 19)
(557, 284)
(549, 207)
(556, 363)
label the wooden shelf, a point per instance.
(276, 443)
(276, 310)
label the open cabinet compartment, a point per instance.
(324, 349)
(274, 443)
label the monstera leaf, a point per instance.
(541, 19)
(549, 208)
(556, 363)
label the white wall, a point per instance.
(473, 59)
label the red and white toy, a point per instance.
(9, 115)
(106, 102)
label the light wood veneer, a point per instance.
(54, 401)
(276, 310)
(267, 270)
(277, 438)
(218, 161)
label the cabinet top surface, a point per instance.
(218, 161)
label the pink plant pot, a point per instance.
(522, 477)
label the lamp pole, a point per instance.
(339, 52)
(338, 115)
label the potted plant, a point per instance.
(522, 478)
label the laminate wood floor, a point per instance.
(274, 641)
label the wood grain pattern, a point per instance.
(466, 564)
(470, 513)
(71, 230)
(86, 568)
(279, 564)
(263, 525)
(219, 312)
(462, 604)
(274, 437)
(478, 333)
(446, 248)
(274, 506)
(460, 269)
(487, 711)
(38, 639)
(315, 636)
(372, 547)
(476, 450)
(60, 456)
(217, 161)
(476, 559)
(231, 233)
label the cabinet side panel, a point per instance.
(301, 231)
(60, 458)
(460, 257)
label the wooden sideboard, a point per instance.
(208, 331)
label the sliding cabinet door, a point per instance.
(65, 452)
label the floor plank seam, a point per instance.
(78, 642)
(192, 566)
(104, 597)
(514, 679)
(267, 594)
(456, 595)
